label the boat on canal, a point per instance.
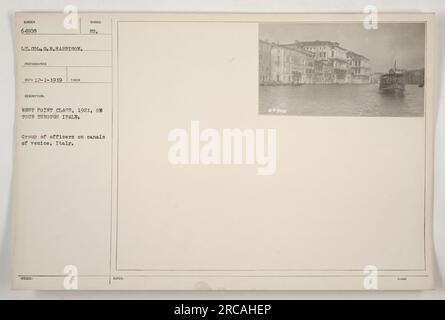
(393, 81)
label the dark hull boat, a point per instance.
(392, 82)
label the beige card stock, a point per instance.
(224, 151)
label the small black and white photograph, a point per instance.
(342, 69)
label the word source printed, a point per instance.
(224, 147)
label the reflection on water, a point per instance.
(340, 100)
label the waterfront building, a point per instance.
(334, 56)
(265, 61)
(302, 65)
(323, 72)
(311, 62)
(291, 65)
(359, 67)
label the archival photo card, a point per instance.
(342, 69)
(153, 151)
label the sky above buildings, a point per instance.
(404, 42)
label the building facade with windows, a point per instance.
(265, 61)
(333, 55)
(318, 62)
(360, 68)
(279, 64)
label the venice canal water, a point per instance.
(340, 100)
